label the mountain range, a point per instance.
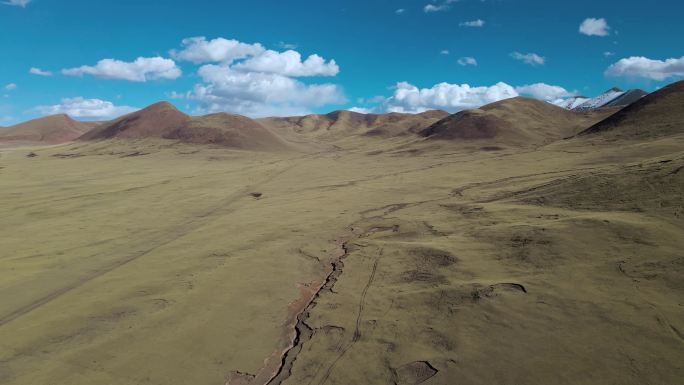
(516, 121)
(657, 114)
(162, 120)
(613, 97)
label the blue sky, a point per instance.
(378, 55)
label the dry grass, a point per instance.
(128, 262)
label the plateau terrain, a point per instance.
(517, 243)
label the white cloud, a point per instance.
(643, 67)
(140, 70)
(608, 54)
(473, 23)
(435, 8)
(467, 61)
(18, 3)
(289, 63)
(85, 108)
(543, 91)
(400, 11)
(176, 95)
(10, 87)
(200, 50)
(254, 57)
(450, 97)
(529, 58)
(444, 52)
(251, 80)
(259, 93)
(439, 6)
(39, 72)
(594, 27)
(285, 45)
(361, 110)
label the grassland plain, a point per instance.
(155, 262)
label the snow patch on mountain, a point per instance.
(614, 97)
(570, 103)
(600, 100)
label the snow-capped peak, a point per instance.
(570, 103)
(600, 100)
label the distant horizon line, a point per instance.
(163, 101)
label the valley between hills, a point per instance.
(517, 243)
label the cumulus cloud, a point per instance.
(400, 11)
(39, 72)
(289, 63)
(259, 93)
(435, 8)
(254, 57)
(200, 50)
(140, 70)
(594, 27)
(529, 58)
(10, 87)
(85, 108)
(18, 3)
(473, 23)
(467, 61)
(361, 110)
(643, 67)
(543, 91)
(252, 80)
(445, 96)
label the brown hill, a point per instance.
(660, 113)
(163, 120)
(229, 130)
(515, 121)
(343, 123)
(153, 121)
(52, 129)
(395, 123)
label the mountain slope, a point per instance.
(601, 100)
(163, 120)
(228, 130)
(395, 123)
(152, 121)
(572, 102)
(660, 113)
(614, 97)
(626, 98)
(515, 121)
(340, 124)
(50, 130)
